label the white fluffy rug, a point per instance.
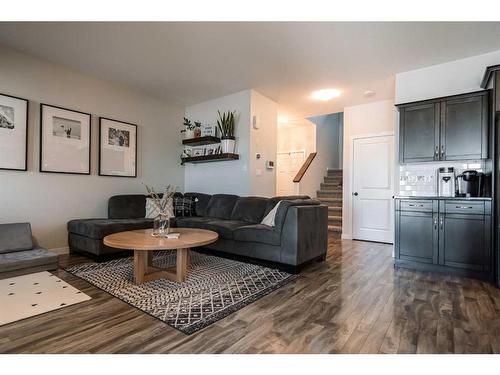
(34, 294)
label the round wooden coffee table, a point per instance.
(143, 244)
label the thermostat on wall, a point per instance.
(269, 164)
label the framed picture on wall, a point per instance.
(65, 138)
(117, 148)
(13, 133)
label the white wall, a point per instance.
(455, 77)
(297, 136)
(238, 177)
(48, 200)
(264, 141)
(231, 177)
(361, 120)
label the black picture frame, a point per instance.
(25, 168)
(100, 153)
(42, 105)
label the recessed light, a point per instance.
(326, 94)
(369, 93)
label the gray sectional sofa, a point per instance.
(18, 254)
(299, 235)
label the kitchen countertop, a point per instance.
(446, 198)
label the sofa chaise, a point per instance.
(300, 233)
(18, 254)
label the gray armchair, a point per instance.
(18, 254)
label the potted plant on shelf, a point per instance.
(190, 128)
(225, 124)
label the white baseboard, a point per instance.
(60, 250)
(346, 236)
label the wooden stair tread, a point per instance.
(334, 228)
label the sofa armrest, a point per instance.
(304, 235)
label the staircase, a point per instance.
(331, 195)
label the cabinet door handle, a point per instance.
(442, 152)
(436, 153)
(441, 223)
(435, 223)
(465, 207)
(415, 205)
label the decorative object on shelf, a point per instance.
(209, 131)
(226, 123)
(117, 148)
(13, 132)
(197, 129)
(186, 153)
(165, 208)
(190, 128)
(209, 151)
(64, 140)
(198, 151)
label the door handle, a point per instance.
(442, 152)
(435, 223)
(465, 207)
(441, 223)
(436, 153)
(355, 194)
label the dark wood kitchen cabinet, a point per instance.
(449, 235)
(450, 128)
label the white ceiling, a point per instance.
(186, 63)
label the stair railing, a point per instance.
(302, 171)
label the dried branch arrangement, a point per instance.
(163, 203)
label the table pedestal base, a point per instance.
(145, 271)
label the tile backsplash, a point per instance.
(421, 179)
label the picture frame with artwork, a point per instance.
(65, 140)
(198, 151)
(13, 133)
(117, 148)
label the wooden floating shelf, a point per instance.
(201, 141)
(210, 158)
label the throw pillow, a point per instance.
(269, 219)
(178, 205)
(151, 209)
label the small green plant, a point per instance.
(189, 125)
(226, 123)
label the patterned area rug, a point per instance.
(215, 287)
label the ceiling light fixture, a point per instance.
(369, 93)
(326, 94)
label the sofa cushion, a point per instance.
(258, 233)
(225, 228)
(15, 237)
(221, 205)
(26, 259)
(249, 209)
(201, 204)
(131, 206)
(271, 202)
(192, 222)
(100, 228)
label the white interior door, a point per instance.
(373, 188)
(288, 164)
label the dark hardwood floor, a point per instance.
(355, 302)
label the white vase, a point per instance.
(188, 134)
(227, 145)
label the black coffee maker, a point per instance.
(471, 184)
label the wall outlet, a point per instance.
(258, 172)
